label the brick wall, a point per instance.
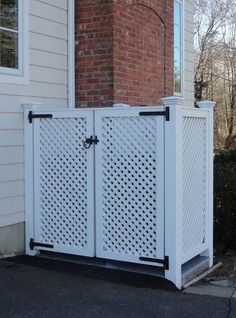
(123, 51)
(94, 53)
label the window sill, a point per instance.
(178, 94)
(14, 79)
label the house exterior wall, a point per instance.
(124, 52)
(188, 49)
(104, 74)
(143, 51)
(47, 85)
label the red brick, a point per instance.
(124, 51)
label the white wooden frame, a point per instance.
(173, 186)
(129, 112)
(89, 250)
(32, 181)
(182, 49)
(208, 106)
(71, 53)
(20, 75)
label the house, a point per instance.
(83, 53)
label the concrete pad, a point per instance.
(217, 291)
(234, 295)
(233, 308)
(12, 240)
(223, 283)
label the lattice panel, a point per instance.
(194, 182)
(63, 182)
(129, 186)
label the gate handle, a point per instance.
(89, 141)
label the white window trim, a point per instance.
(20, 75)
(181, 2)
(71, 53)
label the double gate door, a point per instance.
(99, 183)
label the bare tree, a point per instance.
(215, 67)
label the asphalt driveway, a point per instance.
(40, 288)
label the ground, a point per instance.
(39, 288)
(221, 282)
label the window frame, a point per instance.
(181, 3)
(20, 75)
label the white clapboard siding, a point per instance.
(189, 5)
(11, 121)
(12, 104)
(10, 188)
(48, 27)
(48, 59)
(188, 52)
(48, 11)
(48, 43)
(11, 172)
(42, 74)
(11, 205)
(10, 155)
(37, 89)
(12, 218)
(11, 138)
(188, 44)
(48, 71)
(61, 4)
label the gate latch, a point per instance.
(89, 141)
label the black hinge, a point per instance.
(165, 113)
(32, 244)
(164, 261)
(31, 116)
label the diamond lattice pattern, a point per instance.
(63, 183)
(129, 181)
(194, 182)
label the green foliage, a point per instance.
(225, 199)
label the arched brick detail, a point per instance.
(124, 51)
(159, 7)
(139, 48)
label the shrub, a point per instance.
(225, 199)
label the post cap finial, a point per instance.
(206, 104)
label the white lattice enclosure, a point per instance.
(129, 183)
(194, 185)
(124, 184)
(63, 183)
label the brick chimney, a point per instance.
(124, 52)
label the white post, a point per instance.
(29, 184)
(209, 106)
(173, 189)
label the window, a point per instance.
(178, 47)
(13, 41)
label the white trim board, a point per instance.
(20, 75)
(71, 54)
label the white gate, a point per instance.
(130, 185)
(63, 183)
